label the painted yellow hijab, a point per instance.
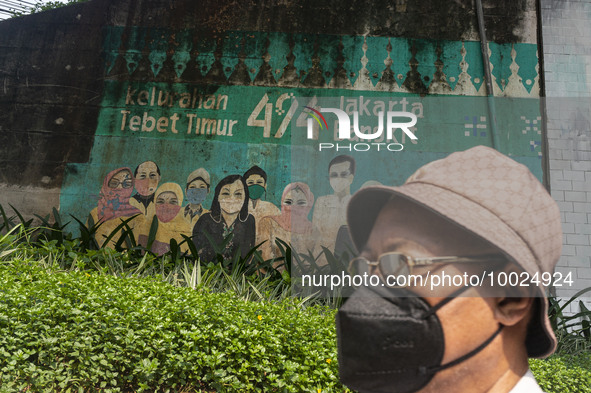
(168, 200)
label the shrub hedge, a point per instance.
(77, 331)
(91, 331)
(563, 373)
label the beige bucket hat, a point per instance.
(492, 196)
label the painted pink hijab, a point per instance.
(294, 218)
(114, 202)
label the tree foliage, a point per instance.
(47, 5)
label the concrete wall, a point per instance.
(566, 27)
(223, 85)
(51, 84)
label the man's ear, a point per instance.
(516, 302)
(510, 311)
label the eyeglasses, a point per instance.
(114, 183)
(397, 264)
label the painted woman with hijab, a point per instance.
(168, 199)
(113, 204)
(228, 216)
(292, 225)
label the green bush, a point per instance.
(563, 373)
(88, 331)
(77, 318)
(80, 331)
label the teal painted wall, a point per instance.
(159, 105)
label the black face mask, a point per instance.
(391, 341)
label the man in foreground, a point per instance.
(476, 217)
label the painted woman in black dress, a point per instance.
(228, 216)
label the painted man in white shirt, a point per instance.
(330, 210)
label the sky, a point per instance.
(6, 5)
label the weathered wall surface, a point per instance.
(51, 88)
(158, 89)
(566, 35)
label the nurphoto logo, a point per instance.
(392, 120)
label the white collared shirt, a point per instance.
(527, 384)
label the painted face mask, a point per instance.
(143, 187)
(391, 341)
(231, 205)
(167, 211)
(255, 191)
(297, 211)
(196, 196)
(340, 184)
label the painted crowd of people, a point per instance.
(237, 209)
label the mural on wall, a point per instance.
(198, 186)
(291, 225)
(113, 203)
(330, 212)
(256, 181)
(168, 200)
(147, 176)
(235, 103)
(228, 229)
